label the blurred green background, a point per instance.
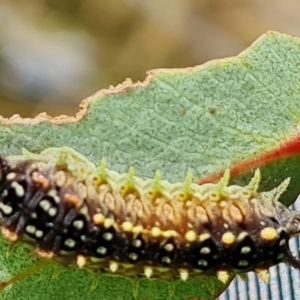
(54, 53)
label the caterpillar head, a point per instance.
(292, 227)
(286, 220)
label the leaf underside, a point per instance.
(202, 119)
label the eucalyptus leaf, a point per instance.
(203, 119)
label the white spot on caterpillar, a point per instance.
(169, 247)
(101, 250)
(113, 266)
(11, 176)
(4, 193)
(280, 256)
(39, 234)
(52, 212)
(205, 250)
(136, 243)
(33, 215)
(282, 242)
(243, 263)
(166, 260)
(80, 261)
(133, 256)
(78, 224)
(20, 192)
(108, 236)
(53, 195)
(45, 204)
(148, 271)
(246, 250)
(223, 276)
(30, 229)
(6, 209)
(184, 274)
(202, 263)
(70, 243)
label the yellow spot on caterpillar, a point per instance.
(155, 232)
(223, 276)
(80, 261)
(9, 235)
(204, 236)
(268, 234)
(98, 219)
(263, 274)
(148, 271)
(127, 226)
(184, 274)
(137, 229)
(169, 233)
(190, 236)
(108, 222)
(113, 266)
(228, 238)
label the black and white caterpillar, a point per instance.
(75, 213)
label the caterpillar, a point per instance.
(75, 213)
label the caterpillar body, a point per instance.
(75, 213)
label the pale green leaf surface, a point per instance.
(202, 119)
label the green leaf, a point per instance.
(202, 119)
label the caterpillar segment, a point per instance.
(77, 214)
